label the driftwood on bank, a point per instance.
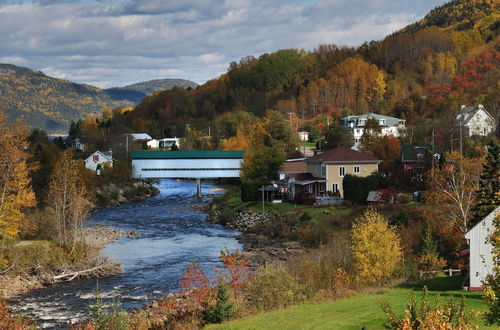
(102, 267)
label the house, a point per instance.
(303, 135)
(140, 137)
(168, 142)
(389, 125)
(78, 145)
(416, 158)
(153, 144)
(481, 257)
(476, 119)
(329, 168)
(93, 161)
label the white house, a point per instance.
(389, 125)
(153, 144)
(481, 257)
(168, 142)
(477, 120)
(98, 158)
(303, 135)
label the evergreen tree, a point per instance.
(223, 308)
(488, 195)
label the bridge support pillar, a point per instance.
(198, 187)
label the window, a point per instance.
(335, 188)
(341, 170)
(323, 170)
(95, 158)
(356, 170)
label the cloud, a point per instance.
(112, 42)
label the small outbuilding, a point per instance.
(98, 158)
(481, 257)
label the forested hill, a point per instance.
(462, 15)
(422, 73)
(51, 104)
(151, 86)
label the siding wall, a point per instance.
(186, 168)
(481, 258)
(333, 172)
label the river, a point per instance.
(171, 233)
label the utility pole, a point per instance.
(262, 199)
(460, 123)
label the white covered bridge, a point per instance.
(186, 164)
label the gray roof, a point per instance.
(465, 114)
(389, 121)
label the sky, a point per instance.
(110, 43)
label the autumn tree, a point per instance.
(337, 136)
(454, 190)
(16, 194)
(376, 248)
(68, 201)
(371, 133)
(385, 148)
(261, 166)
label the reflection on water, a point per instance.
(171, 234)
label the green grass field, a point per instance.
(361, 310)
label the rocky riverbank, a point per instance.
(17, 282)
(110, 194)
(257, 249)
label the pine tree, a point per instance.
(488, 195)
(223, 308)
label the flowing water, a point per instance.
(171, 234)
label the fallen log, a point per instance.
(102, 267)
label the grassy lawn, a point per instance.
(358, 311)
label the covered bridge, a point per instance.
(186, 164)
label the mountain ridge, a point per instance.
(51, 103)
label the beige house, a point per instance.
(332, 165)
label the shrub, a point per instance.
(376, 248)
(356, 188)
(313, 235)
(9, 320)
(274, 287)
(107, 316)
(250, 191)
(404, 198)
(443, 315)
(223, 308)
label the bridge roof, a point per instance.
(188, 154)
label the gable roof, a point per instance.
(409, 152)
(140, 136)
(105, 155)
(343, 155)
(465, 114)
(485, 222)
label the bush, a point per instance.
(376, 248)
(274, 287)
(313, 235)
(107, 317)
(356, 188)
(443, 315)
(12, 321)
(404, 198)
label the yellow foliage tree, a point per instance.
(16, 194)
(376, 248)
(454, 190)
(238, 142)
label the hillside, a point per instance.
(51, 104)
